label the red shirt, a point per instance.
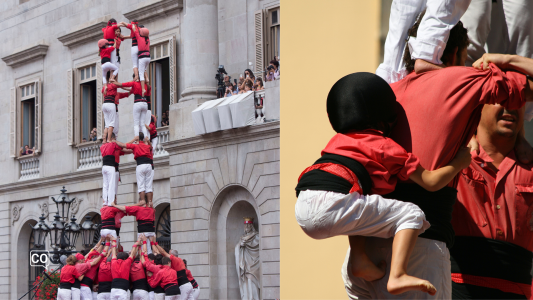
(493, 205)
(111, 90)
(137, 271)
(121, 268)
(451, 100)
(189, 275)
(177, 263)
(109, 32)
(120, 96)
(106, 52)
(165, 276)
(148, 90)
(384, 160)
(143, 44)
(136, 87)
(109, 148)
(91, 273)
(104, 272)
(118, 40)
(83, 267)
(69, 274)
(140, 149)
(153, 129)
(141, 213)
(118, 154)
(108, 212)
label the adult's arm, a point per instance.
(127, 151)
(95, 261)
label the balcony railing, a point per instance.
(260, 95)
(162, 136)
(29, 167)
(89, 156)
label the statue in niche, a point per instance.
(247, 260)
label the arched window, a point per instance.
(163, 228)
(33, 272)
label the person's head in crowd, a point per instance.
(141, 136)
(118, 32)
(249, 74)
(499, 123)
(241, 80)
(165, 261)
(122, 255)
(248, 85)
(71, 260)
(158, 259)
(151, 256)
(164, 115)
(226, 79)
(259, 83)
(26, 148)
(275, 64)
(455, 52)
(84, 140)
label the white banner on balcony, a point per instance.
(198, 118)
(243, 110)
(210, 113)
(224, 112)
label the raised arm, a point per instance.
(127, 151)
(95, 261)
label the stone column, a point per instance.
(199, 36)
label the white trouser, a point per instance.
(117, 177)
(135, 56)
(144, 178)
(186, 291)
(147, 234)
(114, 57)
(154, 143)
(115, 128)
(120, 294)
(104, 296)
(108, 67)
(110, 114)
(106, 232)
(108, 184)
(86, 293)
(196, 293)
(143, 65)
(76, 293)
(95, 295)
(323, 214)
(175, 297)
(64, 294)
(430, 260)
(512, 24)
(159, 296)
(140, 295)
(433, 33)
(148, 116)
(139, 115)
(151, 295)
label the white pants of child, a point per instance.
(64, 294)
(108, 186)
(196, 293)
(430, 260)
(144, 178)
(159, 296)
(76, 293)
(110, 114)
(86, 293)
(135, 56)
(95, 295)
(117, 177)
(154, 143)
(106, 232)
(104, 296)
(115, 128)
(120, 294)
(139, 115)
(108, 67)
(143, 65)
(148, 245)
(173, 297)
(114, 57)
(151, 295)
(323, 214)
(140, 295)
(148, 117)
(186, 291)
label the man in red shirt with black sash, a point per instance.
(178, 265)
(145, 216)
(108, 170)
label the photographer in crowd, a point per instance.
(272, 71)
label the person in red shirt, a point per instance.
(117, 100)
(105, 54)
(111, 32)
(143, 45)
(168, 279)
(364, 141)
(67, 277)
(120, 269)
(492, 218)
(82, 267)
(105, 277)
(142, 153)
(196, 287)
(450, 100)
(145, 216)
(152, 129)
(139, 106)
(109, 219)
(108, 170)
(138, 278)
(178, 266)
(134, 48)
(93, 257)
(119, 38)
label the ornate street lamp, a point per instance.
(40, 230)
(87, 232)
(63, 201)
(57, 228)
(72, 231)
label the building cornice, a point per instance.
(24, 56)
(87, 33)
(224, 137)
(154, 10)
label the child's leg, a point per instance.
(361, 264)
(109, 132)
(399, 281)
(104, 136)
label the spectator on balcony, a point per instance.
(258, 86)
(164, 119)
(26, 150)
(272, 72)
(84, 140)
(248, 86)
(229, 90)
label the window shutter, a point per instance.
(258, 22)
(38, 115)
(70, 108)
(172, 68)
(99, 114)
(13, 123)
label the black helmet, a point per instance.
(360, 101)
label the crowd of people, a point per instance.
(423, 214)
(249, 82)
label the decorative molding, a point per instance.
(26, 55)
(88, 33)
(75, 206)
(154, 10)
(16, 212)
(44, 209)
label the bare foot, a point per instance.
(362, 267)
(406, 283)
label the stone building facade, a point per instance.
(204, 184)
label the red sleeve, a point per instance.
(155, 279)
(76, 273)
(128, 84)
(122, 95)
(397, 160)
(114, 27)
(112, 48)
(130, 146)
(129, 26)
(132, 210)
(505, 88)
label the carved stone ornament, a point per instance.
(16, 212)
(44, 209)
(75, 206)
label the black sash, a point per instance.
(116, 166)
(65, 285)
(116, 108)
(143, 160)
(172, 289)
(194, 283)
(148, 99)
(143, 54)
(105, 60)
(133, 41)
(108, 160)
(118, 55)
(117, 230)
(145, 226)
(109, 99)
(153, 135)
(111, 40)
(76, 284)
(109, 224)
(437, 206)
(141, 284)
(87, 281)
(182, 277)
(139, 98)
(159, 290)
(119, 283)
(104, 287)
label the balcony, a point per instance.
(163, 137)
(89, 156)
(29, 167)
